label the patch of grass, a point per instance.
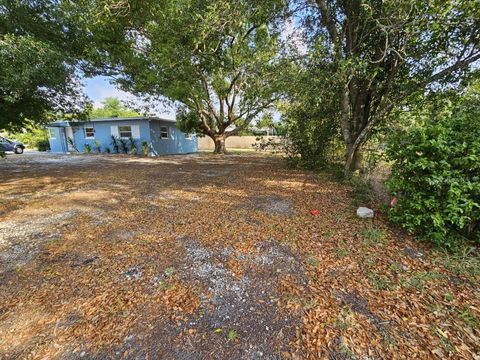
(419, 279)
(232, 335)
(343, 321)
(342, 325)
(435, 308)
(291, 238)
(373, 236)
(169, 271)
(444, 341)
(345, 350)
(313, 261)
(469, 318)
(163, 285)
(327, 234)
(463, 262)
(380, 282)
(394, 267)
(341, 250)
(389, 340)
(309, 304)
(369, 260)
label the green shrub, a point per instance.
(115, 144)
(133, 146)
(87, 148)
(32, 137)
(436, 176)
(145, 148)
(42, 145)
(123, 145)
(313, 139)
(97, 146)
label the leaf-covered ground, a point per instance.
(203, 257)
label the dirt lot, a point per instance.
(204, 257)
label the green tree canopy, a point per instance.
(374, 55)
(266, 121)
(112, 107)
(217, 59)
(39, 49)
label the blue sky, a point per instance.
(98, 88)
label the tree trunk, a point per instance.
(353, 160)
(219, 145)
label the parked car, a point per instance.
(9, 145)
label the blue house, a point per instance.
(162, 135)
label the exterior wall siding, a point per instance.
(57, 144)
(103, 134)
(148, 130)
(176, 142)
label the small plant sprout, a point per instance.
(123, 145)
(373, 236)
(115, 144)
(341, 250)
(380, 282)
(169, 271)
(133, 146)
(145, 148)
(87, 148)
(97, 146)
(232, 335)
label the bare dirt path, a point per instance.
(203, 257)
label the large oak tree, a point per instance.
(217, 60)
(39, 52)
(380, 52)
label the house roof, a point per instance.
(64, 123)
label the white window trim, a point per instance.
(168, 132)
(189, 136)
(85, 131)
(50, 130)
(135, 131)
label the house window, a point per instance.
(163, 132)
(125, 131)
(51, 133)
(89, 132)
